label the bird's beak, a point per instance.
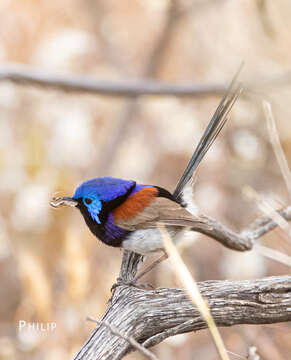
(63, 201)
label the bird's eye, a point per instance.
(88, 201)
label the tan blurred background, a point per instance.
(51, 268)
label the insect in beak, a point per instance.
(63, 201)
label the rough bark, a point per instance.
(150, 316)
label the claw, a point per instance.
(122, 282)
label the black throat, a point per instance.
(106, 231)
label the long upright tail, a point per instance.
(213, 129)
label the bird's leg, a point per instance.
(145, 271)
(123, 282)
(151, 266)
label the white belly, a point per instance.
(149, 240)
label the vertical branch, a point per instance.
(131, 107)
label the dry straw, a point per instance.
(191, 287)
(275, 141)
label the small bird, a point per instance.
(122, 213)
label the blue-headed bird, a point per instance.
(122, 213)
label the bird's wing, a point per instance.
(159, 210)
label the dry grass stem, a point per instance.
(191, 287)
(275, 141)
(273, 254)
(276, 217)
(266, 208)
(235, 354)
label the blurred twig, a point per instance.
(30, 76)
(196, 7)
(277, 218)
(268, 209)
(26, 75)
(150, 70)
(265, 18)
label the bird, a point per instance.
(125, 214)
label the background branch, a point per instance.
(30, 76)
(26, 75)
(120, 132)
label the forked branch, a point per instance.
(243, 241)
(151, 316)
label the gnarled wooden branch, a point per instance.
(151, 316)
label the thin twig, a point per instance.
(232, 240)
(129, 339)
(190, 284)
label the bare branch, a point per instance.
(30, 76)
(243, 241)
(26, 75)
(150, 316)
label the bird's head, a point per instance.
(97, 196)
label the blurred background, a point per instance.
(51, 268)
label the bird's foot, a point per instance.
(133, 282)
(122, 282)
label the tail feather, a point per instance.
(213, 129)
